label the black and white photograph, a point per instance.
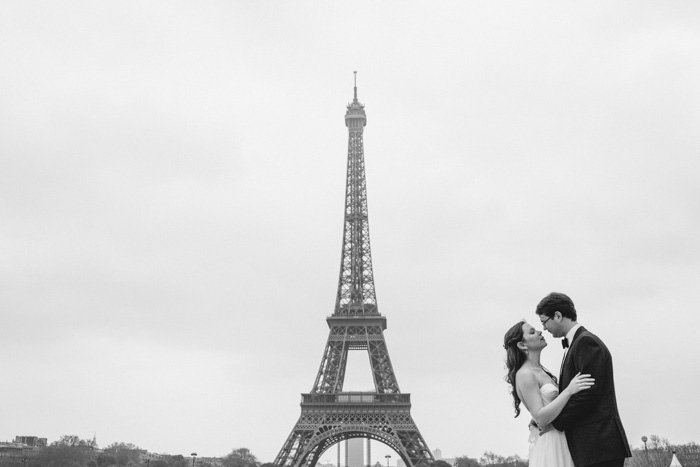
(349, 234)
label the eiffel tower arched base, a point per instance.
(327, 419)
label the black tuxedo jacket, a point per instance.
(590, 419)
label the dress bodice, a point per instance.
(549, 392)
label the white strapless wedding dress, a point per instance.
(550, 449)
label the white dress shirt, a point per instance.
(569, 337)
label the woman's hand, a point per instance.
(580, 383)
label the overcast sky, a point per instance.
(172, 181)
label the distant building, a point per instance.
(149, 456)
(11, 449)
(31, 441)
(353, 452)
(18, 449)
(22, 446)
(437, 454)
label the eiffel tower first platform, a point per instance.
(329, 415)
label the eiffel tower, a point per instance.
(329, 415)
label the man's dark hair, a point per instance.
(554, 302)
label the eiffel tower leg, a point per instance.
(294, 446)
(382, 371)
(331, 374)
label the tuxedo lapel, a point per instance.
(561, 369)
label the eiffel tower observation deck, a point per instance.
(330, 415)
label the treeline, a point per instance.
(659, 451)
(491, 459)
(71, 451)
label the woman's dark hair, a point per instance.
(514, 359)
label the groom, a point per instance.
(590, 419)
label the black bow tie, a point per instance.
(565, 342)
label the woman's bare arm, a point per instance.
(529, 390)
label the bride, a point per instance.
(536, 388)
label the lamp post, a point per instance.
(388, 456)
(646, 453)
(194, 456)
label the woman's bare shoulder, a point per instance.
(525, 375)
(524, 371)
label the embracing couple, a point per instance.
(574, 422)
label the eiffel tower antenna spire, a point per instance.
(328, 414)
(355, 100)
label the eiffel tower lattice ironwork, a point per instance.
(329, 415)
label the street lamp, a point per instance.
(388, 456)
(194, 455)
(646, 453)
